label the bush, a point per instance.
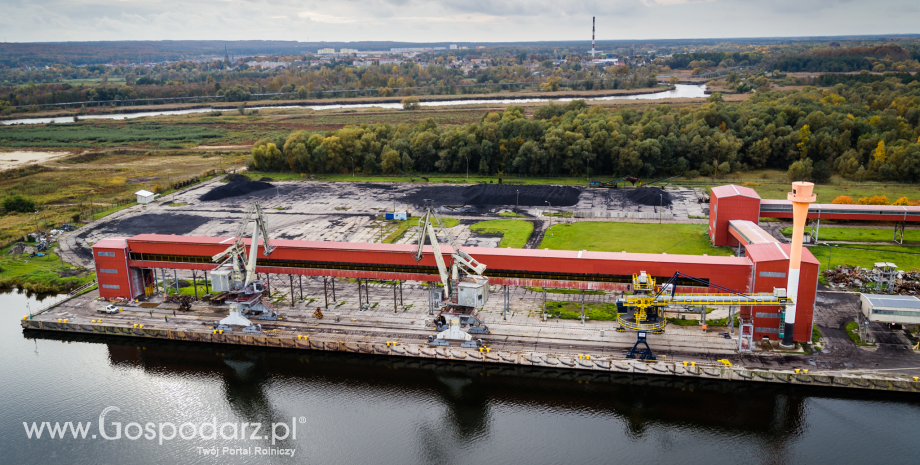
(411, 103)
(843, 200)
(874, 200)
(18, 203)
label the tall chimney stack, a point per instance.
(801, 196)
(592, 37)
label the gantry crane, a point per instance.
(465, 288)
(640, 312)
(244, 289)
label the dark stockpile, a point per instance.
(530, 196)
(235, 187)
(651, 196)
(496, 195)
(153, 223)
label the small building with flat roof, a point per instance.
(144, 197)
(901, 309)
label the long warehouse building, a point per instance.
(125, 268)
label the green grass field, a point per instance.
(830, 233)
(514, 232)
(396, 229)
(95, 134)
(688, 239)
(39, 274)
(866, 255)
(572, 311)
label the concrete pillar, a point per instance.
(801, 196)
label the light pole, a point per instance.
(660, 206)
(467, 167)
(829, 249)
(517, 200)
(352, 167)
(550, 214)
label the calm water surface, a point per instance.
(365, 409)
(681, 91)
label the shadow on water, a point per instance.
(468, 390)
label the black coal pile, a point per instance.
(239, 185)
(151, 223)
(651, 196)
(525, 195)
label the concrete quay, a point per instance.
(523, 340)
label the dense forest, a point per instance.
(859, 130)
(879, 58)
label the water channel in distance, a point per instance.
(680, 91)
(357, 408)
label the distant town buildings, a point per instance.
(453, 46)
(348, 50)
(326, 51)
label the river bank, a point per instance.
(64, 116)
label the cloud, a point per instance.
(448, 20)
(328, 19)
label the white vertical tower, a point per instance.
(592, 37)
(801, 196)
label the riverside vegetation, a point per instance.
(858, 130)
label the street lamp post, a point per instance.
(517, 200)
(352, 167)
(829, 250)
(550, 214)
(660, 206)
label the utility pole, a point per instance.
(517, 200)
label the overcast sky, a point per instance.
(447, 20)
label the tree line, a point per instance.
(862, 131)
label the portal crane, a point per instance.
(465, 287)
(640, 312)
(237, 251)
(246, 291)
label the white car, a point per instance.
(110, 309)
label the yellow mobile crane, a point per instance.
(641, 312)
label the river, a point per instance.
(355, 409)
(680, 91)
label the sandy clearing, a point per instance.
(18, 159)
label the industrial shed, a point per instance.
(731, 203)
(902, 309)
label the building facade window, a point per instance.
(111, 286)
(108, 270)
(105, 254)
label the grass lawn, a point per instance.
(557, 290)
(867, 255)
(397, 228)
(511, 214)
(830, 233)
(572, 311)
(434, 178)
(851, 327)
(687, 239)
(39, 274)
(514, 232)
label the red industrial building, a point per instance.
(125, 266)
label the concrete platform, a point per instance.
(521, 340)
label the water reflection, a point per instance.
(368, 408)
